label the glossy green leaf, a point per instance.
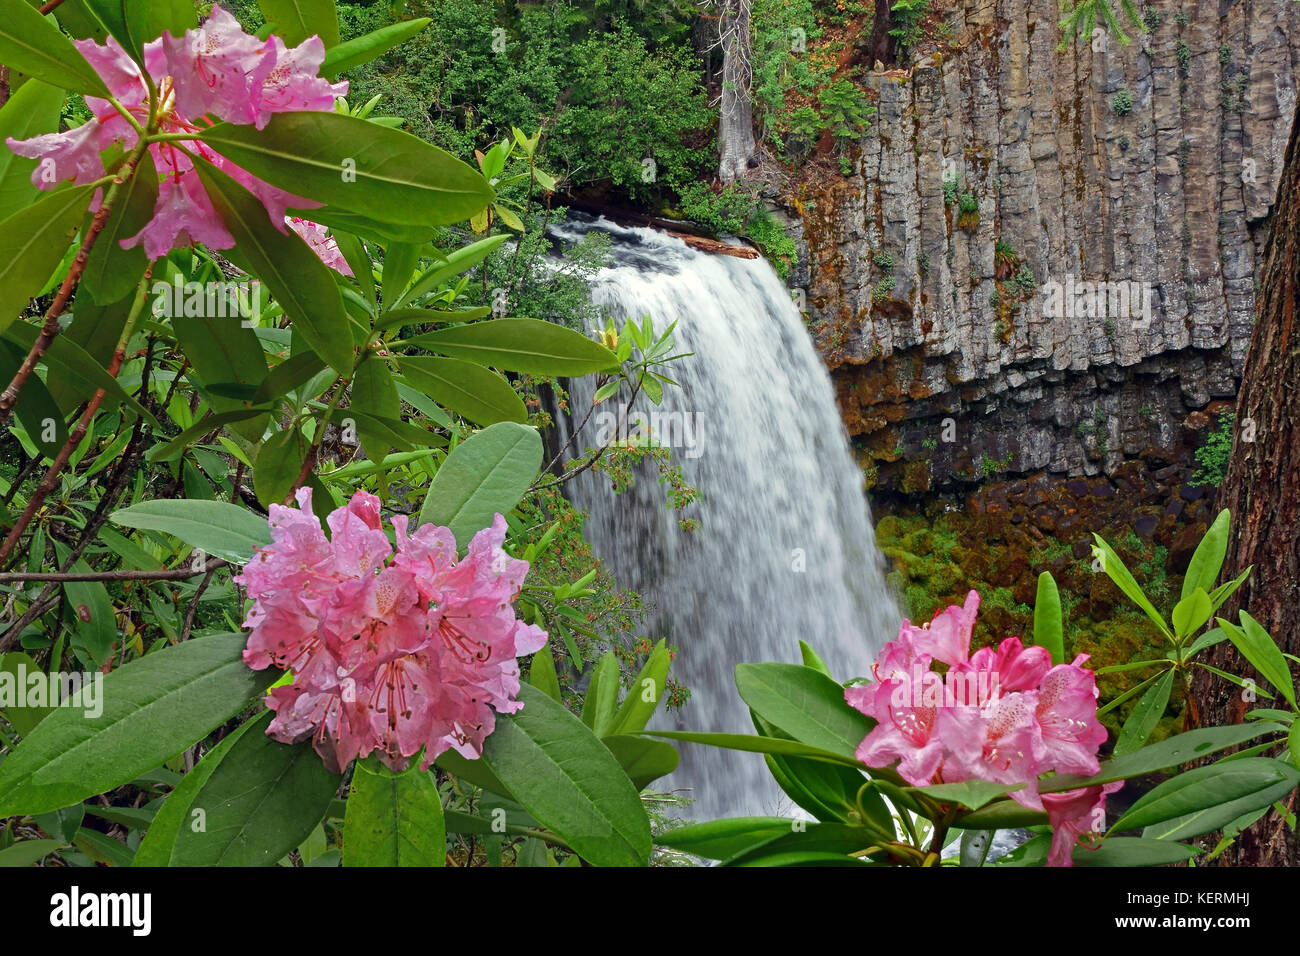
(812, 659)
(643, 760)
(1205, 798)
(393, 819)
(1124, 580)
(302, 284)
(18, 666)
(1207, 561)
(812, 842)
(646, 691)
(806, 704)
(32, 109)
(31, 44)
(541, 674)
(1145, 715)
(521, 345)
(277, 466)
(602, 696)
(484, 475)
(1048, 629)
(476, 393)
(752, 743)
(221, 529)
(375, 392)
(33, 240)
(153, 708)
(971, 794)
(350, 163)
(361, 50)
(1258, 647)
(1191, 613)
(28, 852)
(724, 839)
(569, 781)
(62, 824)
(126, 20)
(296, 20)
(456, 262)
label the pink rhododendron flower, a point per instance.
(392, 649)
(1075, 813)
(322, 243)
(1003, 714)
(218, 71)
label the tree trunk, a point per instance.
(736, 122)
(1262, 491)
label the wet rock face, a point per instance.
(1086, 281)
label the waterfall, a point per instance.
(785, 548)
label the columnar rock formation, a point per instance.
(1000, 169)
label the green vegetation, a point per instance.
(1213, 456)
(1122, 102)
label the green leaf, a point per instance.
(1191, 613)
(394, 819)
(62, 824)
(1258, 647)
(1133, 851)
(644, 761)
(31, 44)
(278, 464)
(484, 475)
(355, 165)
(171, 16)
(19, 666)
(32, 241)
(1145, 715)
(103, 849)
(645, 692)
(1205, 798)
(602, 696)
(222, 530)
(153, 708)
(541, 674)
(453, 264)
(200, 428)
(127, 21)
(811, 659)
(1179, 749)
(36, 408)
(375, 392)
(1000, 815)
(258, 801)
(521, 345)
(302, 284)
(361, 50)
(806, 704)
(480, 395)
(1124, 580)
(971, 794)
(751, 743)
(1048, 630)
(33, 109)
(1207, 561)
(90, 612)
(29, 852)
(569, 781)
(296, 20)
(805, 843)
(724, 839)
(474, 772)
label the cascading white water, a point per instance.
(785, 548)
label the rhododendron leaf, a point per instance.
(1145, 715)
(483, 476)
(1191, 613)
(812, 659)
(361, 50)
(225, 357)
(400, 260)
(279, 462)
(1001, 815)
(200, 428)
(1226, 590)
(971, 794)
(644, 761)
(1258, 647)
(288, 375)
(751, 743)
(358, 260)
(352, 164)
(296, 20)
(36, 408)
(374, 392)
(804, 703)
(32, 240)
(153, 708)
(1179, 749)
(111, 271)
(724, 839)
(1207, 561)
(469, 390)
(372, 230)
(1200, 800)
(393, 819)
(22, 719)
(302, 284)
(29, 852)
(1114, 851)
(32, 109)
(602, 696)
(811, 842)
(541, 674)
(221, 529)
(565, 777)
(828, 791)
(171, 16)
(260, 800)
(646, 690)
(1124, 580)
(475, 772)
(1048, 631)
(521, 345)
(126, 20)
(456, 262)
(31, 44)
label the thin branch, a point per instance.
(168, 574)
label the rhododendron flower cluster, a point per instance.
(216, 70)
(1004, 715)
(392, 649)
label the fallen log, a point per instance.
(714, 246)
